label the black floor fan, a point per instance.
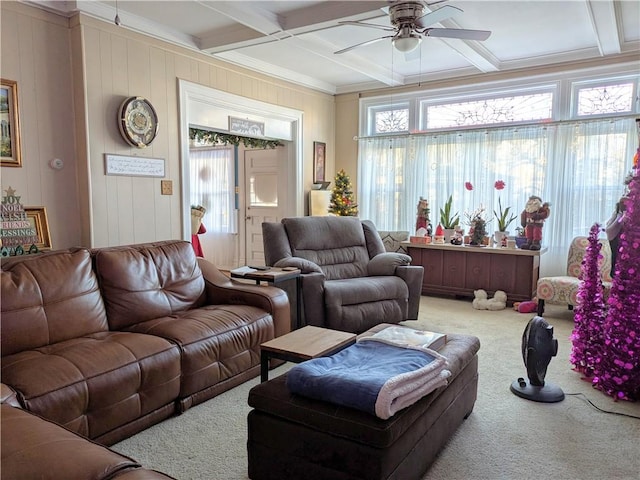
(538, 347)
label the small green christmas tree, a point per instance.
(342, 201)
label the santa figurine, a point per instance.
(532, 219)
(423, 225)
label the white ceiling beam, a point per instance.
(255, 18)
(252, 63)
(605, 25)
(332, 12)
(470, 50)
(304, 20)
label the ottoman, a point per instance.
(294, 437)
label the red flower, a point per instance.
(468, 185)
(499, 184)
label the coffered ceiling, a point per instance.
(296, 40)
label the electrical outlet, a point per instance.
(166, 187)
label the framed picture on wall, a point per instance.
(9, 125)
(37, 217)
(319, 161)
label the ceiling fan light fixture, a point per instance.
(406, 44)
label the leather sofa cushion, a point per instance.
(72, 382)
(216, 341)
(146, 282)
(33, 447)
(49, 298)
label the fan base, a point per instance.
(548, 393)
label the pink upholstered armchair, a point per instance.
(563, 290)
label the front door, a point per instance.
(264, 199)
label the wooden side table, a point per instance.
(303, 344)
(279, 278)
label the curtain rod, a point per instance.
(499, 127)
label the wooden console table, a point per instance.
(459, 270)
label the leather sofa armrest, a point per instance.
(9, 396)
(412, 276)
(220, 289)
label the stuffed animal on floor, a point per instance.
(498, 302)
(529, 306)
(481, 302)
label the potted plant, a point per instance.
(504, 220)
(504, 217)
(477, 227)
(448, 221)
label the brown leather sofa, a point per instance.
(36, 449)
(109, 341)
(349, 281)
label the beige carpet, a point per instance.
(506, 437)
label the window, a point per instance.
(487, 111)
(570, 142)
(607, 99)
(385, 119)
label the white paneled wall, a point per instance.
(73, 75)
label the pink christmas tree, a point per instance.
(617, 367)
(590, 313)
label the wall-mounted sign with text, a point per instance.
(242, 126)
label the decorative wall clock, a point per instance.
(138, 121)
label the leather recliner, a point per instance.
(349, 282)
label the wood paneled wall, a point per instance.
(81, 70)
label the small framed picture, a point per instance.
(9, 125)
(37, 217)
(319, 161)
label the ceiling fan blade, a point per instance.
(437, 16)
(368, 42)
(363, 24)
(461, 33)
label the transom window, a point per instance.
(508, 109)
(385, 119)
(546, 101)
(605, 99)
(396, 120)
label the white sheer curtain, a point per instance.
(578, 167)
(213, 187)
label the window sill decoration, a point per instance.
(503, 218)
(207, 137)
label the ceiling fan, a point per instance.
(411, 24)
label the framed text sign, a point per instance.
(243, 126)
(133, 166)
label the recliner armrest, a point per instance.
(386, 263)
(221, 290)
(305, 266)
(413, 276)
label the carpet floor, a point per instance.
(506, 437)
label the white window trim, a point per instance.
(564, 104)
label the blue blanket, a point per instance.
(373, 376)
